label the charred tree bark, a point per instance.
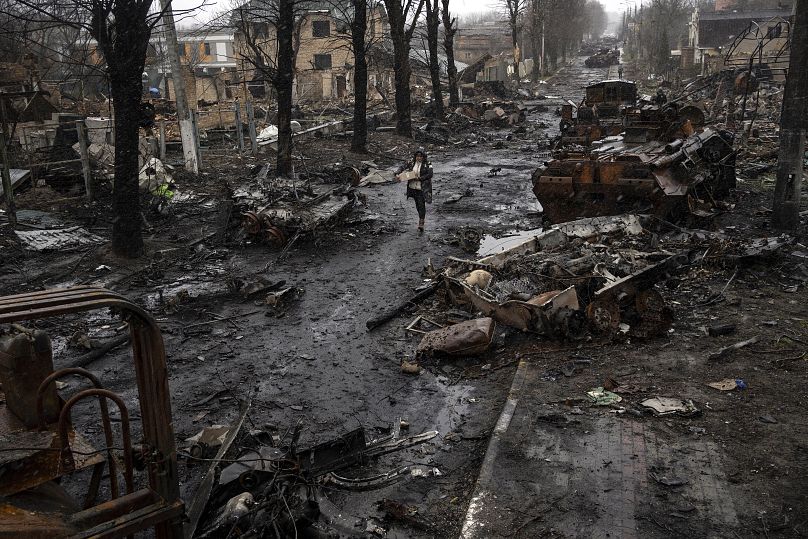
(793, 125)
(127, 239)
(283, 84)
(449, 31)
(125, 53)
(360, 126)
(401, 36)
(432, 22)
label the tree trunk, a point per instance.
(127, 240)
(283, 84)
(125, 53)
(432, 21)
(401, 65)
(793, 125)
(448, 46)
(360, 126)
(401, 35)
(515, 43)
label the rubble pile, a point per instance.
(275, 487)
(595, 278)
(277, 211)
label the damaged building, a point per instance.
(323, 65)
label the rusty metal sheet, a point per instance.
(36, 467)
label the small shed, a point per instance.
(612, 92)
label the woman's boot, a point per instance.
(420, 226)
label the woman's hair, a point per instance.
(415, 154)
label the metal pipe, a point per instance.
(113, 478)
(64, 439)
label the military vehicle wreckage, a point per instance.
(644, 154)
(605, 57)
(663, 178)
(612, 107)
(272, 488)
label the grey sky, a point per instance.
(459, 6)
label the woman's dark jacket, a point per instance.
(425, 177)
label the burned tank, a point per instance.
(612, 107)
(604, 58)
(599, 115)
(666, 179)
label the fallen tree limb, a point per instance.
(373, 323)
(111, 344)
(737, 346)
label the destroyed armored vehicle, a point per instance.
(665, 179)
(600, 114)
(612, 107)
(277, 211)
(604, 58)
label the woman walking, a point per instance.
(418, 175)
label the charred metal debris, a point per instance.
(274, 488)
(258, 484)
(602, 278)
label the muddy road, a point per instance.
(313, 361)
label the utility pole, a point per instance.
(793, 125)
(541, 61)
(189, 150)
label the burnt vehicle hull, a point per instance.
(664, 179)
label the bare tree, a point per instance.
(536, 33)
(271, 33)
(359, 28)
(401, 33)
(432, 23)
(514, 10)
(358, 20)
(122, 29)
(449, 31)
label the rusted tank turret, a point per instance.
(657, 177)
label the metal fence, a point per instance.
(49, 151)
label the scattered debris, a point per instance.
(669, 405)
(731, 348)
(410, 368)
(669, 481)
(64, 239)
(463, 339)
(721, 329)
(602, 397)
(728, 384)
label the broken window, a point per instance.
(321, 29)
(207, 49)
(322, 61)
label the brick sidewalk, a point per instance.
(579, 471)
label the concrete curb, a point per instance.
(472, 526)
